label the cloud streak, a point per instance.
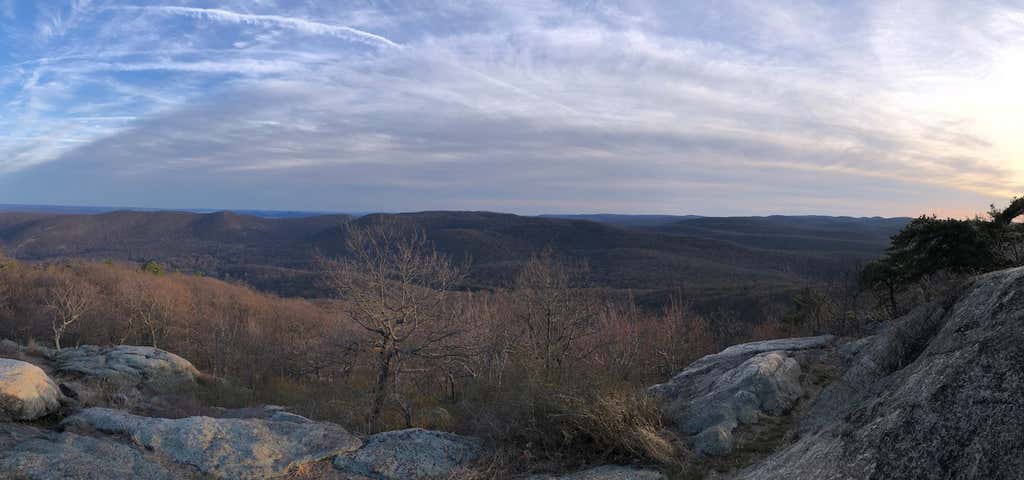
(298, 24)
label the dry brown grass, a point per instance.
(618, 423)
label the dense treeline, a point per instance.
(930, 253)
(232, 331)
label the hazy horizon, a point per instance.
(878, 108)
(89, 209)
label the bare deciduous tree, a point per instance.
(145, 308)
(5, 286)
(554, 314)
(67, 301)
(396, 287)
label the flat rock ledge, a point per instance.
(706, 369)
(26, 392)
(229, 448)
(275, 413)
(29, 453)
(128, 365)
(607, 472)
(719, 392)
(413, 454)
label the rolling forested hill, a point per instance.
(704, 255)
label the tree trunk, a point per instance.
(152, 334)
(381, 389)
(124, 335)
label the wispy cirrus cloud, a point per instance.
(300, 24)
(733, 107)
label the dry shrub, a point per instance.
(619, 423)
(32, 347)
(553, 428)
(6, 289)
(108, 393)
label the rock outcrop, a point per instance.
(244, 443)
(940, 394)
(26, 391)
(608, 472)
(29, 453)
(9, 348)
(413, 454)
(719, 392)
(232, 448)
(128, 365)
(708, 368)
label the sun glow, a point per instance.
(979, 115)
(1003, 98)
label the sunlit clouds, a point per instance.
(734, 107)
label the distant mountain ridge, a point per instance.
(798, 233)
(626, 220)
(711, 257)
(85, 210)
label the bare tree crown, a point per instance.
(68, 301)
(396, 286)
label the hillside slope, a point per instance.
(936, 394)
(627, 221)
(800, 233)
(939, 395)
(273, 253)
(276, 254)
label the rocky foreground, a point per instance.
(936, 394)
(49, 430)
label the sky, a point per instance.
(719, 107)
